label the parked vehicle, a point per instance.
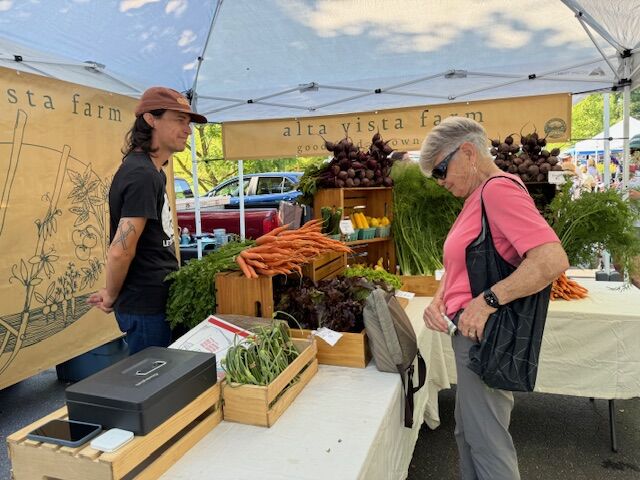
(257, 221)
(260, 189)
(182, 188)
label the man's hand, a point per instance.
(433, 315)
(472, 321)
(102, 300)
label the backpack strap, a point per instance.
(409, 390)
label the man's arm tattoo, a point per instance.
(123, 231)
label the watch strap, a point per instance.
(491, 298)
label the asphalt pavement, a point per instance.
(557, 437)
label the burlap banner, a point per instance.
(406, 128)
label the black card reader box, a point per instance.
(142, 391)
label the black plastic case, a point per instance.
(143, 390)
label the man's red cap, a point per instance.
(156, 98)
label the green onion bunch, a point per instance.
(260, 358)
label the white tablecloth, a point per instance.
(346, 424)
(590, 348)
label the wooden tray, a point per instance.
(262, 406)
(145, 457)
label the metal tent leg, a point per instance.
(612, 426)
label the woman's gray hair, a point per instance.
(449, 135)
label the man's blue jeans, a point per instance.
(144, 330)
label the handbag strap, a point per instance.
(484, 223)
(409, 390)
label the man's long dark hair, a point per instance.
(139, 137)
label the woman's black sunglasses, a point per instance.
(439, 172)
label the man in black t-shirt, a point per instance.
(142, 251)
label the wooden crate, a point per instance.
(326, 266)
(262, 406)
(421, 285)
(145, 457)
(352, 350)
(378, 202)
(240, 295)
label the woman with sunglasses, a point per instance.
(456, 154)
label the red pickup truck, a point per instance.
(258, 221)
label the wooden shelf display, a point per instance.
(377, 202)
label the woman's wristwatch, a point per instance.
(491, 298)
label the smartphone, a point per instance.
(68, 433)
(111, 440)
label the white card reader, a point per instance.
(111, 440)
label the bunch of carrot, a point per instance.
(565, 288)
(284, 251)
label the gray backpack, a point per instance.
(393, 344)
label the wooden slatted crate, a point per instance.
(144, 458)
(352, 350)
(326, 266)
(262, 406)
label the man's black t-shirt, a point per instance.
(138, 190)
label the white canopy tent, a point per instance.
(596, 145)
(261, 59)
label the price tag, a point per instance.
(346, 227)
(439, 274)
(407, 295)
(330, 336)
(557, 177)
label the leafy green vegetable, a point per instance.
(593, 222)
(423, 213)
(260, 358)
(308, 183)
(376, 276)
(336, 304)
(192, 294)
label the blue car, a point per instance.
(261, 190)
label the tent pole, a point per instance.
(626, 104)
(606, 257)
(595, 44)
(241, 192)
(196, 193)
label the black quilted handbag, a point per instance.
(507, 357)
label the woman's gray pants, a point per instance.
(482, 424)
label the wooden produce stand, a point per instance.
(378, 202)
(145, 457)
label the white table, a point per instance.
(346, 424)
(590, 348)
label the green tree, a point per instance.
(587, 115)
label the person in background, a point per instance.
(142, 251)
(567, 163)
(399, 156)
(456, 154)
(587, 182)
(592, 170)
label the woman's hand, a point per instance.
(474, 317)
(433, 315)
